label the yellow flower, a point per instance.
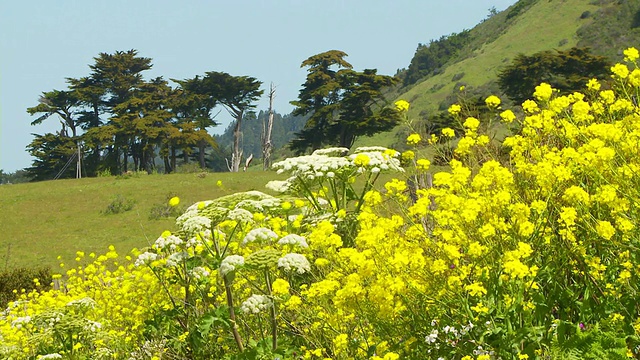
(408, 155)
(605, 229)
(286, 205)
(593, 84)
(280, 287)
(543, 92)
(423, 164)
(454, 109)
(219, 183)
(471, 123)
(634, 78)
(413, 139)
(507, 116)
(361, 160)
(631, 54)
(174, 201)
(492, 101)
(402, 105)
(620, 70)
(448, 132)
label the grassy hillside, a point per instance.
(42, 220)
(527, 27)
(545, 25)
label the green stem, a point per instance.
(232, 314)
(272, 313)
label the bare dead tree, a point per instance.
(266, 131)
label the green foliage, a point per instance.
(53, 155)
(16, 177)
(22, 278)
(567, 71)
(284, 129)
(612, 26)
(429, 58)
(164, 210)
(342, 104)
(519, 7)
(119, 205)
(596, 342)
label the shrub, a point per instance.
(119, 204)
(13, 281)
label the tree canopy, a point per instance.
(567, 71)
(341, 103)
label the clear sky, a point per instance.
(44, 42)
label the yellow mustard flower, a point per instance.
(402, 105)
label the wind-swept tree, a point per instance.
(567, 71)
(193, 106)
(54, 155)
(363, 108)
(144, 120)
(91, 96)
(319, 97)
(237, 94)
(64, 104)
(342, 103)
(119, 74)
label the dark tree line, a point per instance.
(114, 120)
(117, 121)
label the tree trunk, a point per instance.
(266, 138)
(201, 146)
(173, 158)
(236, 157)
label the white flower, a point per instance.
(230, 263)
(293, 239)
(433, 337)
(145, 258)
(259, 234)
(49, 356)
(381, 149)
(255, 304)
(92, 326)
(296, 262)
(380, 160)
(199, 272)
(176, 258)
(240, 215)
(19, 322)
(84, 302)
(171, 242)
(196, 224)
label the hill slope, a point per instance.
(527, 27)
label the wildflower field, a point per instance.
(528, 247)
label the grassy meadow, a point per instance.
(42, 220)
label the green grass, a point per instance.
(40, 221)
(546, 25)
(43, 220)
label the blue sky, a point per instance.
(44, 42)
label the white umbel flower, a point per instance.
(146, 258)
(171, 242)
(259, 234)
(230, 264)
(294, 262)
(240, 215)
(255, 304)
(294, 239)
(196, 224)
